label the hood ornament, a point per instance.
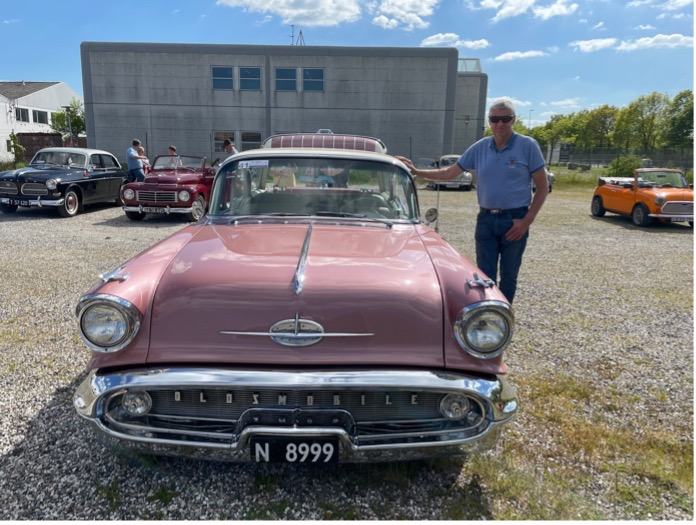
(296, 332)
(478, 282)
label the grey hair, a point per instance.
(503, 103)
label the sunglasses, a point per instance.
(505, 118)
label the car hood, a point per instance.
(40, 173)
(670, 194)
(372, 289)
(173, 178)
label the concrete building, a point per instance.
(422, 102)
(28, 107)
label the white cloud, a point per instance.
(589, 46)
(657, 41)
(10, 21)
(510, 8)
(453, 40)
(518, 55)
(600, 25)
(406, 14)
(558, 8)
(317, 13)
(645, 27)
(566, 103)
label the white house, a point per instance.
(28, 107)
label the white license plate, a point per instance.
(155, 210)
(280, 449)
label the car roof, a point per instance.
(83, 151)
(331, 141)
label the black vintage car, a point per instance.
(63, 178)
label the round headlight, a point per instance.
(660, 200)
(137, 403)
(51, 184)
(484, 329)
(128, 194)
(107, 323)
(184, 196)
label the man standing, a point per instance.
(135, 162)
(506, 164)
(229, 148)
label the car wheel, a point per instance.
(8, 208)
(135, 215)
(597, 207)
(467, 188)
(71, 204)
(197, 209)
(640, 215)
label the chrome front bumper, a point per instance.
(494, 394)
(35, 202)
(166, 210)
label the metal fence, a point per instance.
(584, 158)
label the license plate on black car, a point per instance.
(17, 202)
(274, 449)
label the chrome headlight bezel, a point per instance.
(184, 196)
(128, 194)
(497, 317)
(127, 317)
(51, 184)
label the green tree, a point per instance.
(679, 122)
(17, 149)
(649, 113)
(70, 122)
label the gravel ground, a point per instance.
(599, 300)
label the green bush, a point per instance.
(623, 166)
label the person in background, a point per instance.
(175, 161)
(135, 163)
(506, 163)
(229, 148)
(146, 162)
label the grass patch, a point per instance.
(639, 467)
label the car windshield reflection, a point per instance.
(316, 187)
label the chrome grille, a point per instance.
(32, 188)
(369, 417)
(8, 188)
(678, 207)
(156, 196)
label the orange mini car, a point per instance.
(652, 193)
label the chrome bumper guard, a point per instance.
(495, 396)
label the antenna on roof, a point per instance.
(300, 39)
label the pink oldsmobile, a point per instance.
(310, 317)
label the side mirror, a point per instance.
(431, 216)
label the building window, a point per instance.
(250, 78)
(40, 117)
(22, 114)
(250, 140)
(219, 137)
(286, 79)
(312, 79)
(223, 78)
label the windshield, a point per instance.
(171, 162)
(318, 187)
(62, 158)
(661, 179)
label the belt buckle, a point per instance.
(495, 211)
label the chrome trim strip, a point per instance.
(299, 277)
(672, 216)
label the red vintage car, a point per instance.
(176, 184)
(311, 317)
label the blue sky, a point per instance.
(550, 56)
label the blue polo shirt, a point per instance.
(503, 178)
(133, 164)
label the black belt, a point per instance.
(498, 211)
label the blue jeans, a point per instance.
(137, 175)
(492, 247)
